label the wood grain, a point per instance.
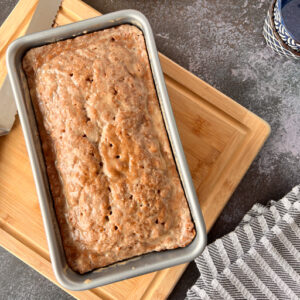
(220, 140)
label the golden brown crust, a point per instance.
(115, 186)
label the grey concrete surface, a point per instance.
(221, 42)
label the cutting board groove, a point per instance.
(220, 140)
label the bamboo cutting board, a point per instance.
(220, 140)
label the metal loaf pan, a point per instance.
(132, 267)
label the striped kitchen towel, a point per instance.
(260, 259)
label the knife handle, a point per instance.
(8, 107)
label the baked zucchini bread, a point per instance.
(116, 189)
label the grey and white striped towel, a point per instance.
(260, 259)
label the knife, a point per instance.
(43, 18)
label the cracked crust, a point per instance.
(114, 182)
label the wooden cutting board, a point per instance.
(220, 140)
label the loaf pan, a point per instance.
(132, 267)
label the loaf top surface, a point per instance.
(114, 182)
